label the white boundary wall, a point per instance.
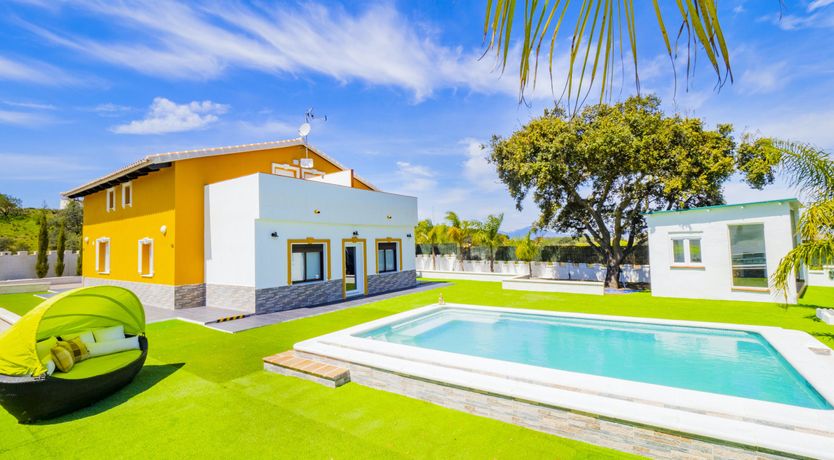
(449, 266)
(524, 283)
(21, 265)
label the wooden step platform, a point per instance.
(287, 363)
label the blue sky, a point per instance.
(87, 87)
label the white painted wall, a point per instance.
(713, 280)
(820, 277)
(242, 213)
(524, 283)
(449, 265)
(231, 208)
(21, 265)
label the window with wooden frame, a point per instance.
(103, 256)
(110, 199)
(285, 170)
(307, 263)
(386, 254)
(145, 257)
(127, 195)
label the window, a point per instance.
(145, 257)
(127, 195)
(686, 251)
(103, 255)
(386, 254)
(285, 170)
(111, 199)
(307, 263)
(747, 252)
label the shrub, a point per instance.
(62, 242)
(42, 265)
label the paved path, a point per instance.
(267, 319)
(199, 315)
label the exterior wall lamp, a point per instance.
(408, 235)
(274, 234)
(356, 233)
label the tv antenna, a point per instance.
(304, 131)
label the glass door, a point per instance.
(354, 276)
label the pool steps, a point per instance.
(288, 363)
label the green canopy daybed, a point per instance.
(29, 393)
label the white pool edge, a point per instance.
(779, 427)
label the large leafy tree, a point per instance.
(9, 206)
(595, 174)
(603, 37)
(811, 171)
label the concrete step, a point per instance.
(288, 363)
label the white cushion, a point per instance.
(86, 337)
(109, 333)
(49, 364)
(113, 346)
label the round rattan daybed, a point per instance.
(29, 393)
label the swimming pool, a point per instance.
(728, 362)
(649, 386)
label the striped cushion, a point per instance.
(77, 347)
(63, 359)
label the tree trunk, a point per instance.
(530, 268)
(612, 273)
(433, 259)
(492, 262)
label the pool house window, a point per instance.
(747, 250)
(386, 257)
(307, 263)
(686, 250)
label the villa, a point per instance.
(255, 228)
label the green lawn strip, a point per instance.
(20, 303)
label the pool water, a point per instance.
(723, 361)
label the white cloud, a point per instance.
(376, 46)
(29, 71)
(165, 116)
(415, 179)
(30, 105)
(109, 109)
(22, 118)
(814, 127)
(817, 4)
(30, 167)
(764, 79)
(476, 168)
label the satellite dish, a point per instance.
(304, 129)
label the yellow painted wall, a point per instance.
(153, 206)
(193, 175)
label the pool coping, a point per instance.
(768, 425)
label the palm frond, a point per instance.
(809, 169)
(593, 39)
(807, 253)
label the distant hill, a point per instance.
(20, 231)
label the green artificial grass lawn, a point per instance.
(20, 303)
(204, 393)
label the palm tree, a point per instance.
(597, 36)
(460, 232)
(812, 171)
(428, 233)
(489, 236)
(527, 249)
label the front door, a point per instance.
(354, 276)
